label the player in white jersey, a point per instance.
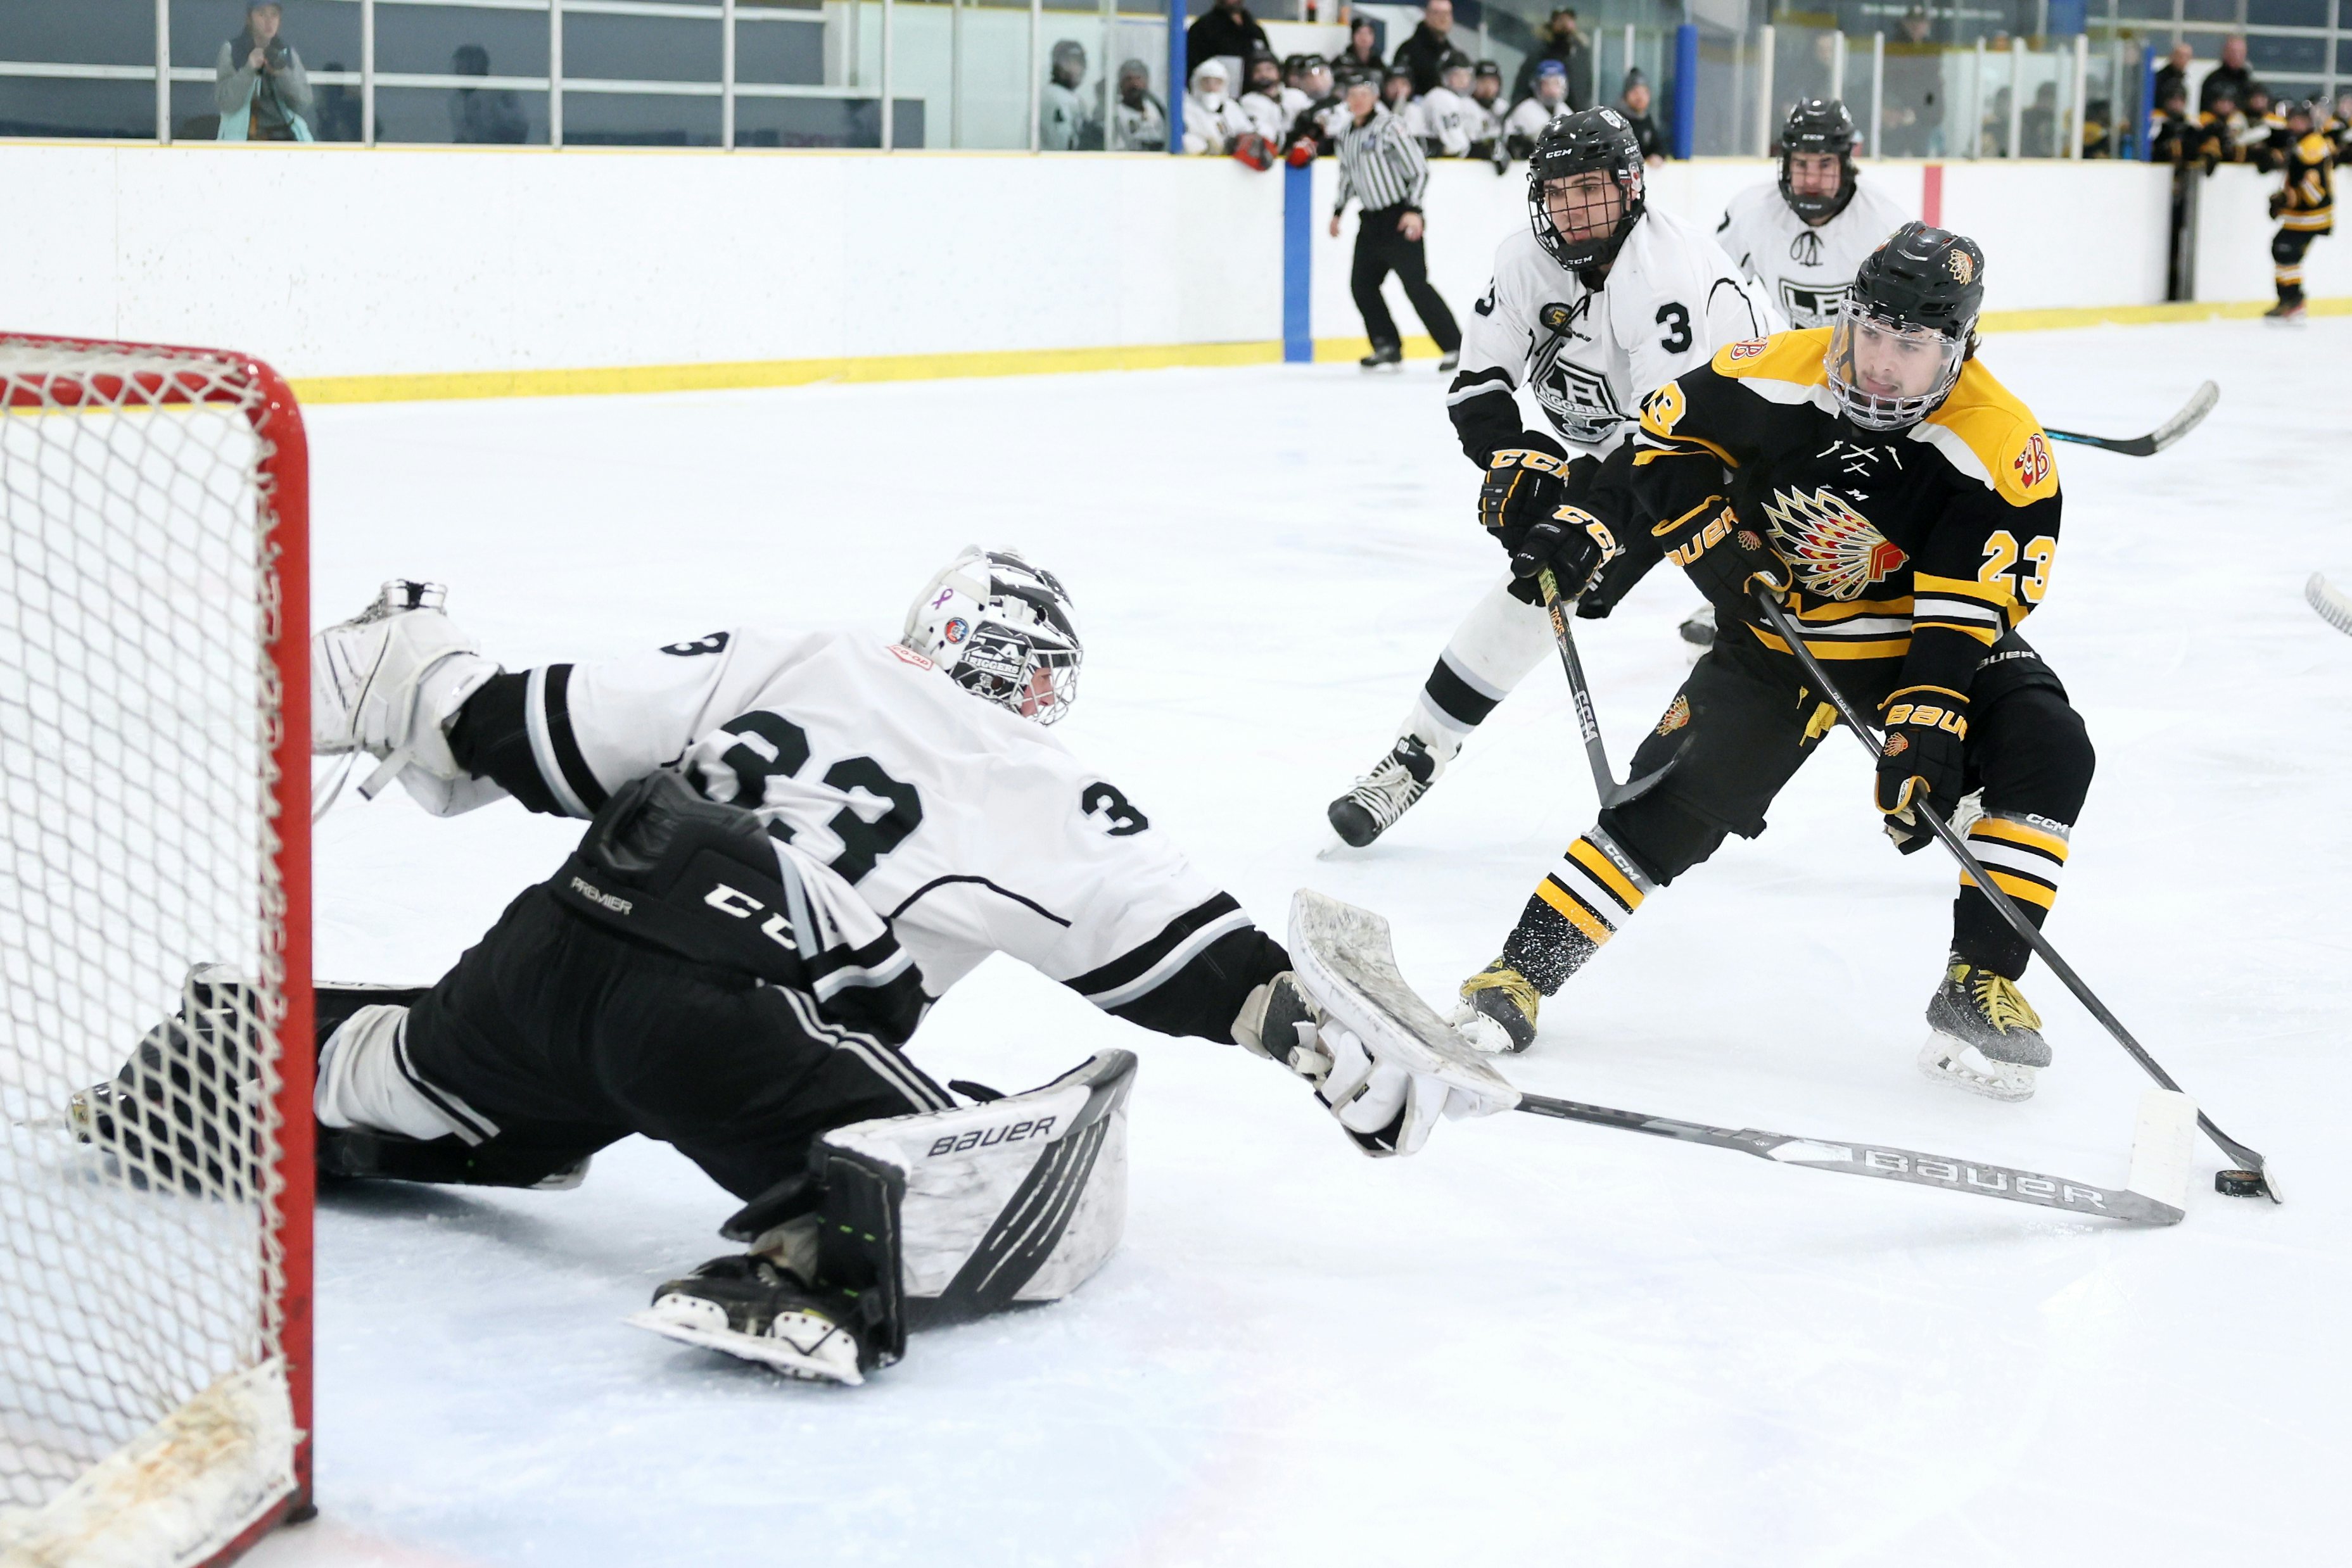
(1446, 112)
(1599, 301)
(796, 843)
(1804, 237)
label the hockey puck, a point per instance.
(2239, 1184)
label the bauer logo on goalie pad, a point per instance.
(978, 1138)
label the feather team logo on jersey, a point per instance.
(2032, 464)
(1677, 715)
(1836, 551)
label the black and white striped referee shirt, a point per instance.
(1381, 164)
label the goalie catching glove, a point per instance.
(1380, 1059)
(388, 683)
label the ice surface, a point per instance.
(1535, 1342)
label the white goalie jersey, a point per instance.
(970, 829)
(1671, 299)
(1805, 271)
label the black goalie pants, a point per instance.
(560, 1033)
(1739, 730)
(1381, 250)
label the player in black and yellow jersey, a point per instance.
(2305, 206)
(1906, 507)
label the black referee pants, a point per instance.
(1381, 250)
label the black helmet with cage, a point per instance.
(1591, 140)
(1906, 326)
(1820, 125)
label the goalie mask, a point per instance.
(1003, 630)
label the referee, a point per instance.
(1381, 164)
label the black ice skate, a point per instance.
(1383, 357)
(1386, 793)
(1498, 1008)
(1987, 1037)
(2288, 313)
(746, 1306)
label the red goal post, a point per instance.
(155, 1336)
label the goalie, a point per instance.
(797, 844)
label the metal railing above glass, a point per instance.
(558, 73)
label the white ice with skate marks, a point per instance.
(1531, 1338)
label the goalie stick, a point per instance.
(2252, 1178)
(2154, 1194)
(2333, 607)
(2200, 403)
(1348, 950)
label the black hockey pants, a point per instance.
(1743, 724)
(563, 1033)
(2288, 247)
(1381, 250)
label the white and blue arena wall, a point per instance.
(388, 274)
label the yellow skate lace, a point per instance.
(1500, 976)
(1998, 999)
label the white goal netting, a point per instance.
(144, 1263)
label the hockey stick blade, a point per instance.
(2192, 415)
(2333, 606)
(2153, 1195)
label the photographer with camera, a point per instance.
(262, 91)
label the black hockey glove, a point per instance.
(1573, 543)
(1523, 483)
(1921, 761)
(1724, 555)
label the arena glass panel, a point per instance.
(2270, 55)
(638, 119)
(807, 121)
(2286, 13)
(443, 116)
(426, 40)
(788, 53)
(638, 48)
(84, 33)
(46, 107)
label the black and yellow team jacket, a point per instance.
(2310, 206)
(1913, 551)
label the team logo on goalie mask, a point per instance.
(1835, 550)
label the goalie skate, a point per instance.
(748, 1308)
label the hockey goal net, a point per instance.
(154, 1181)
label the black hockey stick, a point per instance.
(2200, 403)
(1604, 777)
(2153, 1194)
(2252, 1178)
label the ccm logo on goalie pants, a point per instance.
(989, 1137)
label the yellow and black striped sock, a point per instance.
(2024, 855)
(1581, 904)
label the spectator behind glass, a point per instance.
(1363, 51)
(1634, 104)
(1065, 123)
(1138, 122)
(1912, 118)
(483, 116)
(1224, 30)
(2230, 76)
(1432, 44)
(335, 114)
(1528, 119)
(1213, 117)
(2173, 75)
(261, 91)
(1567, 44)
